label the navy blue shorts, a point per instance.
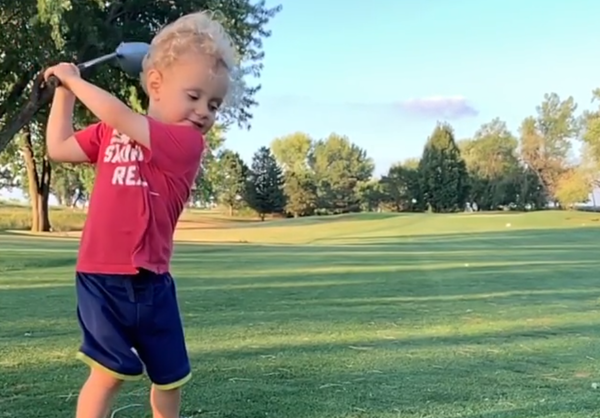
(131, 324)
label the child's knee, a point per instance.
(166, 391)
(102, 380)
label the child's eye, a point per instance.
(192, 96)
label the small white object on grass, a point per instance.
(508, 225)
(595, 385)
(466, 264)
(135, 405)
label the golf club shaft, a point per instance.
(54, 82)
(96, 61)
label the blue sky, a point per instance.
(352, 67)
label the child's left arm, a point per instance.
(111, 111)
(103, 105)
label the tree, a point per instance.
(338, 166)
(590, 124)
(573, 187)
(264, 191)
(39, 176)
(400, 186)
(37, 33)
(492, 164)
(205, 186)
(230, 181)
(370, 195)
(292, 151)
(68, 183)
(300, 194)
(11, 167)
(444, 178)
(545, 140)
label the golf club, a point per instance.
(128, 55)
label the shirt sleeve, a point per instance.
(173, 148)
(90, 139)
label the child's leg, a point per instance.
(97, 394)
(161, 346)
(165, 403)
(107, 314)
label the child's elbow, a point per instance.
(65, 151)
(53, 155)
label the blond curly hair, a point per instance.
(198, 32)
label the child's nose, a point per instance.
(202, 110)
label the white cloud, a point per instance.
(440, 107)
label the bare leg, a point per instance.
(97, 394)
(165, 403)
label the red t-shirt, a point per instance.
(138, 196)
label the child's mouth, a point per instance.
(198, 125)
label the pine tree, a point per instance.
(443, 173)
(264, 191)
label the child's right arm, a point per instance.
(62, 143)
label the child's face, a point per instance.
(189, 92)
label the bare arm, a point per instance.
(111, 111)
(60, 142)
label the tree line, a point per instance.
(496, 169)
(301, 176)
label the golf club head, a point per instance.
(130, 56)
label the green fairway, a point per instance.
(441, 316)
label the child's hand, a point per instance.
(64, 72)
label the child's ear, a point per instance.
(154, 81)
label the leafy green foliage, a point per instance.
(573, 187)
(546, 140)
(230, 181)
(401, 188)
(338, 166)
(207, 180)
(301, 193)
(292, 151)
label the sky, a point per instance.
(382, 72)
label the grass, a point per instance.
(470, 316)
(18, 217)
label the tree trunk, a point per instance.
(78, 197)
(230, 210)
(39, 185)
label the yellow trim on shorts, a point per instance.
(95, 365)
(174, 385)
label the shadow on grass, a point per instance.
(336, 381)
(378, 331)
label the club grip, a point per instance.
(53, 82)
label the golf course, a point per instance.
(369, 315)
